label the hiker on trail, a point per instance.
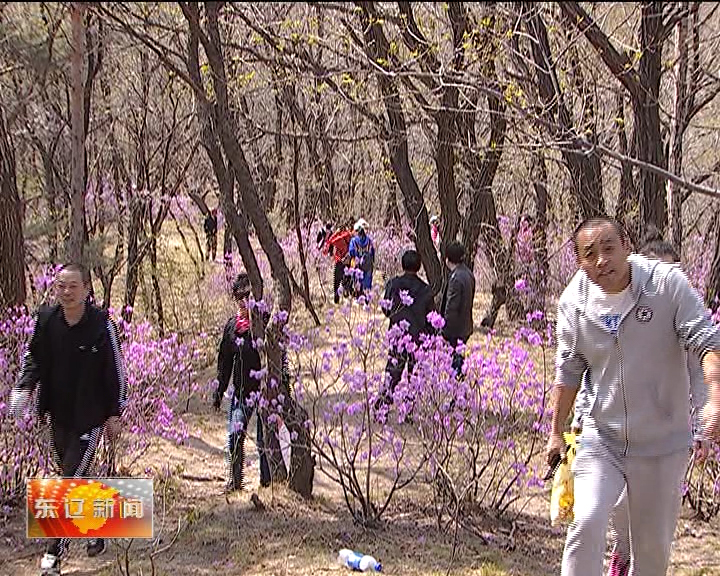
(457, 302)
(74, 356)
(338, 244)
(323, 235)
(656, 249)
(239, 357)
(435, 232)
(410, 300)
(627, 321)
(211, 227)
(362, 252)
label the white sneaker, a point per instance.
(50, 565)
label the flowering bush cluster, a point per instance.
(161, 375)
(475, 436)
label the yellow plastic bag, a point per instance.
(562, 497)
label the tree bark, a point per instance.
(74, 248)
(12, 247)
(234, 219)
(643, 85)
(155, 279)
(712, 292)
(646, 117)
(378, 49)
(674, 198)
(539, 281)
(251, 202)
(584, 167)
(137, 207)
(298, 232)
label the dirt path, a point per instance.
(293, 537)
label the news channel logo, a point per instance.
(90, 508)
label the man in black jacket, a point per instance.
(210, 226)
(75, 356)
(457, 301)
(411, 300)
(239, 357)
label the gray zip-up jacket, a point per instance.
(638, 383)
(698, 396)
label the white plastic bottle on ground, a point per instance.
(358, 562)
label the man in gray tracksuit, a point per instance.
(619, 527)
(628, 321)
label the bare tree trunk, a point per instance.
(301, 248)
(134, 257)
(12, 247)
(74, 247)
(712, 293)
(227, 240)
(674, 198)
(584, 167)
(378, 49)
(235, 219)
(251, 202)
(157, 296)
(646, 117)
(539, 280)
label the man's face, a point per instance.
(603, 256)
(71, 291)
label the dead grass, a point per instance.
(293, 537)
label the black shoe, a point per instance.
(95, 547)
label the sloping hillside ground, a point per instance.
(294, 537)
(202, 532)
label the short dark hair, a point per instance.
(241, 286)
(80, 269)
(596, 221)
(660, 249)
(411, 261)
(455, 252)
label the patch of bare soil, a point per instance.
(203, 532)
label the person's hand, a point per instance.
(112, 427)
(577, 430)
(555, 447)
(711, 420)
(217, 400)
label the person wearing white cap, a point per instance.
(362, 251)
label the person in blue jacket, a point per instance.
(362, 252)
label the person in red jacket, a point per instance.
(338, 245)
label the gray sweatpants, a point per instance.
(620, 527)
(653, 503)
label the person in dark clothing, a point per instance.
(457, 302)
(211, 227)
(239, 357)
(323, 235)
(74, 355)
(411, 300)
(338, 244)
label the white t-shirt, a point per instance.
(609, 308)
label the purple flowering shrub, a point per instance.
(23, 442)
(479, 434)
(338, 370)
(482, 432)
(161, 376)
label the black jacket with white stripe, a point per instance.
(79, 368)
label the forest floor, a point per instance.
(203, 532)
(296, 537)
